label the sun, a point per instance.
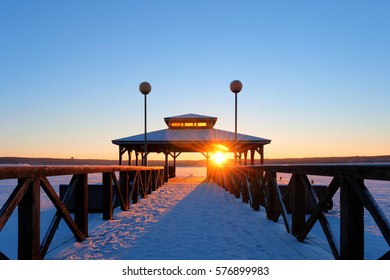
(219, 158)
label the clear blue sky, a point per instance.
(316, 74)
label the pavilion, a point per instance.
(191, 133)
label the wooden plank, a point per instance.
(148, 175)
(351, 224)
(107, 196)
(369, 202)
(56, 220)
(13, 201)
(29, 222)
(9, 172)
(52, 195)
(248, 184)
(79, 232)
(298, 204)
(359, 171)
(313, 199)
(281, 204)
(135, 188)
(331, 190)
(118, 191)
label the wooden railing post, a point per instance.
(149, 181)
(81, 203)
(298, 204)
(259, 174)
(29, 222)
(219, 175)
(271, 207)
(228, 181)
(351, 224)
(124, 182)
(244, 187)
(236, 184)
(154, 180)
(144, 184)
(158, 179)
(162, 175)
(134, 176)
(254, 188)
(107, 196)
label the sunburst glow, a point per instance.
(219, 158)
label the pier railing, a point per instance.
(258, 186)
(134, 182)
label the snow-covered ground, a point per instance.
(186, 220)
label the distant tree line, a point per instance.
(73, 161)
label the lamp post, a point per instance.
(235, 87)
(145, 88)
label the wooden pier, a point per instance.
(258, 186)
(133, 183)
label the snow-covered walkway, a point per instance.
(190, 219)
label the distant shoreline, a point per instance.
(309, 160)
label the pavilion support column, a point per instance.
(166, 167)
(122, 150)
(207, 155)
(260, 150)
(136, 158)
(262, 155)
(252, 156)
(246, 158)
(145, 158)
(129, 156)
(174, 155)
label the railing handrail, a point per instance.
(31, 171)
(372, 171)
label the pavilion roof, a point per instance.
(190, 140)
(190, 136)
